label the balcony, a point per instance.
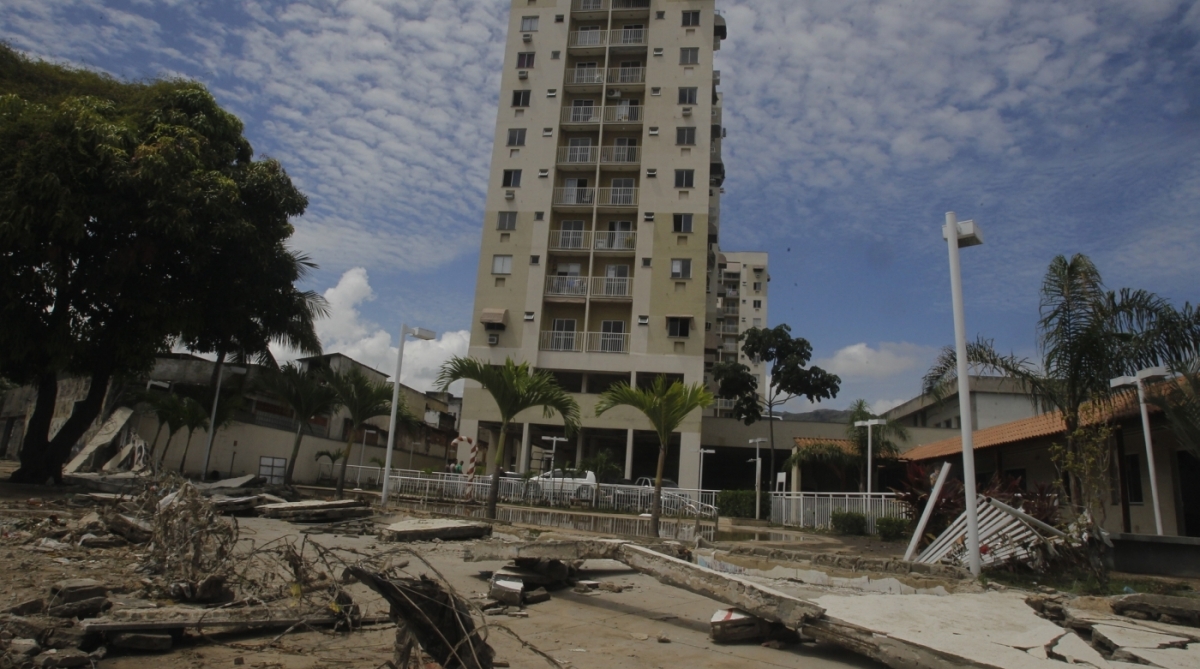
(585, 76)
(623, 114)
(577, 155)
(728, 328)
(589, 6)
(589, 39)
(628, 37)
(616, 241)
(612, 287)
(716, 77)
(729, 347)
(725, 405)
(608, 342)
(576, 197)
(619, 155)
(577, 342)
(616, 197)
(570, 240)
(566, 286)
(731, 310)
(570, 342)
(581, 115)
(731, 292)
(626, 75)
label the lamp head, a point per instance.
(969, 234)
(1122, 381)
(422, 333)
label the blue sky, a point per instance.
(1063, 127)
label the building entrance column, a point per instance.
(523, 458)
(629, 453)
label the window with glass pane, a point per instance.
(684, 178)
(689, 55)
(678, 327)
(691, 18)
(688, 95)
(520, 99)
(516, 137)
(681, 268)
(507, 221)
(683, 222)
(758, 304)
(512, 178)
(501, 264)
(685, 136)
(524, 60)
(529, 23)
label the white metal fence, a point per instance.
(816, 509)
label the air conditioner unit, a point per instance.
(522, 74)
(687, 111)
(510, 194)
(527, 37)
(651, 173)
(493, 339)
(648, 216)
(614, 94)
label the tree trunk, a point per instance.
(341, 483)
(656, 503)
(771, 436)
(186, 445)
(291, 465)
(36, 441)
(82, 416)
(494, 491)
(162, 461)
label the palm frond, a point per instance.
(665, 406)
(515, 388)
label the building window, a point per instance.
(683, 178)
(512, 178)
(529, 23)
(524, 60)
(678, 326)
(756, 322)
(516, 136)
(1133, 481)
(272, 469)
(688, 55)
(507, 220)
(681, 268)
(683, 222)
(685, 136)
(520, 99)
(758, 304)
(691, 18)
(688, 95)
(501, 264)
(758, 286)
(533, 260)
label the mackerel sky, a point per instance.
(1061, 127)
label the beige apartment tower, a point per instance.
(599, 258)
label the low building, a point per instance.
(995, 400)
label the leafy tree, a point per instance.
(789, 377)
(666, 407)
(195, 417)
(308, 396)
(604, 465)
(885, 439)
(1179, 401)
(514, 388)
(1087, 335)
(834, 457)
(117, 202)
(363, 399)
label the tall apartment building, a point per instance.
(740, 285)
(599, 257)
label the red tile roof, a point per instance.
(844, 444)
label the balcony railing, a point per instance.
(576, 196)
(623, 155)
(608, 342)
(589, 6)
(631, 4)
(567, 240)
(729, 347)
(730, 310)
(728, 328)
(725, 405)
(611, 286)
(583, 38)
(581, 114)
(618, 197)
(568, 286)
(562, 341)
(623, 114)
(577, 155)
(616, 241)
(628, 37)
(585, 75)
(626, 75)
(731, 292)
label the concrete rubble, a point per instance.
(426, 529)
(316, 510)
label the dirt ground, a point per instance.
(601, 629)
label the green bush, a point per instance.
(845, 522)
(891, 529)
(740, 503)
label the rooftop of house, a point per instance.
(999, 385)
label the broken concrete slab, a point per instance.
(537, 596)
(426, 529)
(28, 608)
(1085, 619)
(316, 510)
(67, 657)
(81, 609)
(566, 551)
(188, 617)
(24, 647)
(833, 571)
(64, 637)
(1167, 658)
(1071, 649)
(22, 627)
(143, 641)
(135, 530)
(238, 482)
(506, 590)
(76, 589)
(1185, 610)
(1114, 637)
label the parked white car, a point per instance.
(558, 483)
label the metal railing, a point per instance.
(584, 38)
(628, 37)
(626, 75)
(731, 310)
(565, 240)
(729, 348)
(728, 328)
(574, 196)
(631, 4)
(816, 509)
(589, 6)
(585, 75)
(618, 197)
(608, 342)
(552, 340)
(577, 155)
(612, 286)
(572, 286)
(588, 114)
(619, 154)
(731, 292)
(616, 241)
(623, 114)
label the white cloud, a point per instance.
(862, 361)
(880, 407)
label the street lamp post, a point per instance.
(1139, 380)
(870, 456)
(212, 417)
(703, 451)
(959, 235)
(758, 442)
(419, 333)
(553, 454)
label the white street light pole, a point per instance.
(870, 459)
(1139, 380)
(419, 333)
(958, 235)
(212, 417)
(700, 481)
(553, 454)
(757, 476)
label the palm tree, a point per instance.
(665, 406)
(308, 397)
(161, 406)
(1179, 400)
(170, 410)
(363, 399)
(1087, 335)
(195, 417)
(515, 388)
(830, 455)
